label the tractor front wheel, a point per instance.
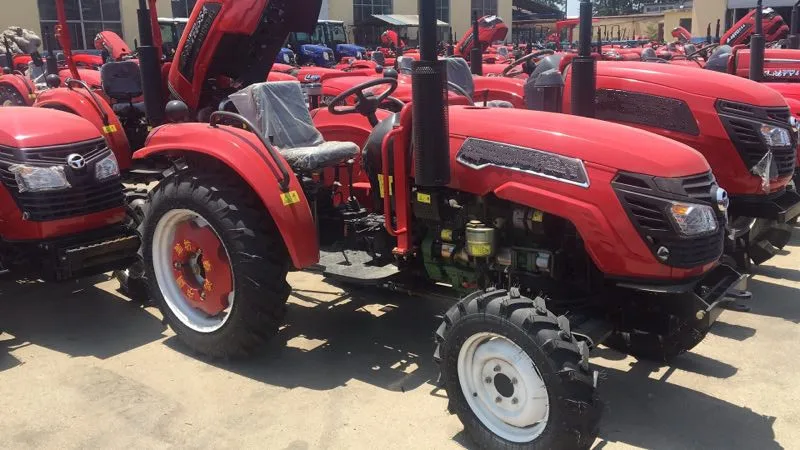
(10, 96)
(216, 263)
(515, 375)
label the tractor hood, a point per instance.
(314, 49)
(355, 51)
(706, 83)
(25, 127)
(592, 141)
(238, 39)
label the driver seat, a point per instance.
(122, 82)
(279, 110)
(459, 73)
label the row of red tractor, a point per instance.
(569, 198)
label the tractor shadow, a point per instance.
(76, 318)
(652, 413)
(774, 300)
(332, 336)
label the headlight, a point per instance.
(286, 58)
(691, 219)
(326, 56)
(776, 136)
(106, 168)
(37, 179)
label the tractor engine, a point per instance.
(62, 208)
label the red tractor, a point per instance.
(624, 242)
(62, 209)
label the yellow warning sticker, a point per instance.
(424, 198)
(108, 129)
(480, 249)
(538, 216)
(32, 96)
(447, 235)
(382, 188)
(290, 198)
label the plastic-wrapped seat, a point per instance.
(459, 73)
(279, 109)
(405, 65)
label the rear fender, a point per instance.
(240, 151)
(96, 110)
(21, 84)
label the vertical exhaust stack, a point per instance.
(584, 67)
(794, 36)
(429, 83)
(758, 45)
(51, 62)
(708, 34)
(150, 67)
(717, 35)
(9, 67)
(476, 54)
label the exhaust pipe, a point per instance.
(150, 68)
(758, 45)
(476, 55)
(708, 34)
(794, 36)
(584, 67)
(51, 62)
(719, 29)
(429, 86)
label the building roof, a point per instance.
(404, 20)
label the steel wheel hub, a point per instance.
(503, 387)
(193, 270)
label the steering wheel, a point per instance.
(703, 50)
(393, 104)
(460, 91)
(367, 104)
(507, 72)
(656, 60)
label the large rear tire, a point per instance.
(9, 96)
(515, 375)
(216, 263)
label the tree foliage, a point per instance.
(621, 7)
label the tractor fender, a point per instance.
(242, 152)
(21, 84)
(96, 110)
(496, 88)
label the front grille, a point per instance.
(86, 195)
(743, 123)
(646, 200)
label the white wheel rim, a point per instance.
(163, 238)
(503, 387)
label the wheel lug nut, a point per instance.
(513, 381)
(488, 379)
(498, 399)
(514, 401)
(497, 368)
(177, 265)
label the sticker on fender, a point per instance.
(290, 198)
(108, 129)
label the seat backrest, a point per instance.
(379, 58)
(459, 73)
(405, 65)
(279, 110)
(718, 61)
(121, 80)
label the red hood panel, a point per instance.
(707, 83)
(603, 143)
(25, 127)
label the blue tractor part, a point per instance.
(350, 51)
(286, 56)
(317, 55)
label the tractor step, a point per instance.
(355, 266)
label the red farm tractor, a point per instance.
(624, 243)
(62, 208)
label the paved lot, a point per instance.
(80, 367)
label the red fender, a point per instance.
(79, 101)
(500, 88)
(21, 84)
(238, 149)
(280, 76)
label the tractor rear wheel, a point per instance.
(10, 96)
(132, 281)
(515, 375)
(216, 262)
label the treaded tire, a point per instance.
(257, 254)
(656, 347)
(133, 282)
(10, 95)
(561, 360)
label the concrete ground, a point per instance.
(81, 367)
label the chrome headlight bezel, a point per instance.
(39, 178)
(775, 136)
(692, 219)
(106, 168)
